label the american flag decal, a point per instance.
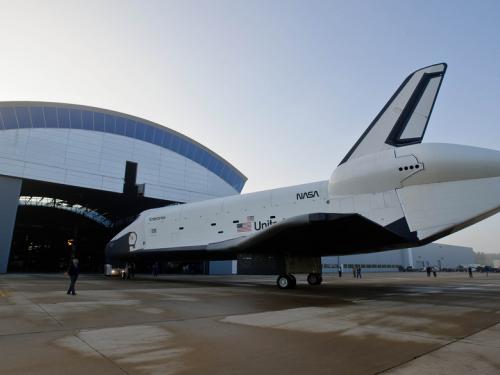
(244, 227)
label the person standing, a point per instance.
(156, 268)
(340, 270)
(73, 272)
(358, 272)
(126, 274)
(132, 270)
(470, 271)
(354, 271)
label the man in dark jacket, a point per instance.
(73, 272)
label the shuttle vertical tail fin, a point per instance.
(404, 118)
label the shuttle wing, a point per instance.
(314, 234)
(404, 118)
(305, 235)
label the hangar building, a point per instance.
(71, 176)
(436, 255)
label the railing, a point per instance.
(63, 205)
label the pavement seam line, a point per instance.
(40, 307)
(438, 348)
(101, 354)
(162, 321)
(49, 314)
(31, 333)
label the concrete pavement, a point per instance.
(392, 323)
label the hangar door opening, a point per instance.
(45, 239)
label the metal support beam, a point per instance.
(10, 189)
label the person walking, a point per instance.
(340, 270)
(358, 272)
(354, 271)
(73, 272)
(470, 271)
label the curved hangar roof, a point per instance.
(97, 142)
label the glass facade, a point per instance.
(49, 116)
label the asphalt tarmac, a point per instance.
(392, 323)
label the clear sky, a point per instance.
(281, 89)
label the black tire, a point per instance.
(314, 279)
(285, 282)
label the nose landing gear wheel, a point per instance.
(286, 281)
(314, 279)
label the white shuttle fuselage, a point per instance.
(438, 188)
(390, 191)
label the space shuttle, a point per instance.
(390, 191)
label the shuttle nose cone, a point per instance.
(117, 250)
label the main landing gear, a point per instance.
(288, 281)
(314, 279)
(299, 265)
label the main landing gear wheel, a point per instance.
(286, 281)
(314, 279)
